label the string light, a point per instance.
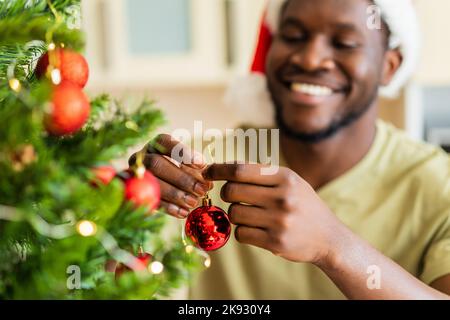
(55, 75)
(207, 262)
(140, 171)
(156, 267)
(131, 125)
(15, 85)
(86, 228)
(52, 46)
(189, 249)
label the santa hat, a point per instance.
(250, 96)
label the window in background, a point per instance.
(157, 42)
(159, 27)
(437, 115)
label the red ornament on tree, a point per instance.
(69, 110)
(72, 65)
(103, 174)
(143, 191)
(208, 226)
(144, 261)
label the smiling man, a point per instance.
(356, 209)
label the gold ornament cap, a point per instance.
(206, 202)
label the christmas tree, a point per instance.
(71, 227)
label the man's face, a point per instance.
(325, 65)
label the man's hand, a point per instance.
(283, 214)
(181, 181)
(280, 213)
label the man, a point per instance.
(356, 209)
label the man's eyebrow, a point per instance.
(339, 26)
(291, 21)
(350, 27)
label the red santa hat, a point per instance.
(249, 94)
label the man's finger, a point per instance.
(167, 145)
(252, 236)
(173, 210)
(178, 197)
(249, 216)
(246, 173)
(197, 174)
(246, 193)
(170, 173)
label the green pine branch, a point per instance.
(52, 186)
(28, 27)
(12, 8)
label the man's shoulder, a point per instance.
(425, 167)
(402, 150)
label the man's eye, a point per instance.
(292, 37)
(346, 44)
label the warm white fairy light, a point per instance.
(140, 171)
(52, 46)
(86, 228)
(207, 262)
(156, 267)
(131, 125)
(15, 85)
(189, 249)
(55, 75)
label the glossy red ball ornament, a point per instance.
(144, 261)
(208, 227)
(72, 65)
(69, 110)
(143, 191)
(103, 175)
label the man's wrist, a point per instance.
(341, 244)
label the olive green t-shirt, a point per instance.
(397, 198)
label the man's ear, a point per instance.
(393, 59)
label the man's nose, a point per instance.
(314, 55)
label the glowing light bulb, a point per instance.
(189, 249)
(207, 262)
(15, 84)
(156, 267)
(86, 228)
(55, 75)
(140, 171)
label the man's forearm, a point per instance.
(362, 272)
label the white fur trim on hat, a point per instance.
(251, 96)
(402, 20)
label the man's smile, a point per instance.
(310, 93)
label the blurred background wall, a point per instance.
(183, 53)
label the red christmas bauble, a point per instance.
(73, 66)
(143, 191)
(144, 261)
(69, 110)
(208, 227)
(103, 174)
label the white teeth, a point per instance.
(311, 89)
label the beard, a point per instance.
(335, 126)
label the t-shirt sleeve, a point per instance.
(437, 258)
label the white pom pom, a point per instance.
(249, 98)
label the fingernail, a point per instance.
(173, 209)
(191, 201)
(201, 189)
(183, 213)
